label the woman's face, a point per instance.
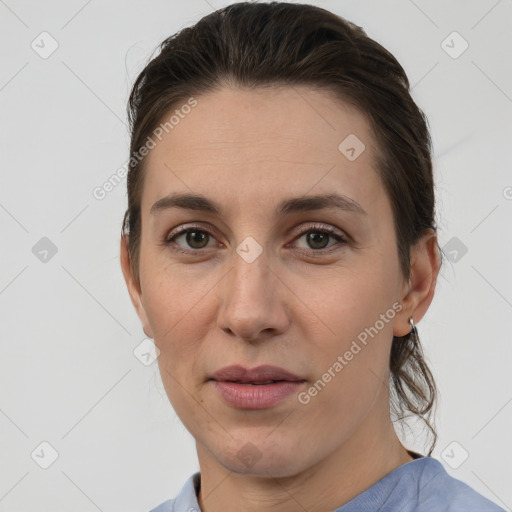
(258, 283)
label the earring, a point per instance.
(414, 331)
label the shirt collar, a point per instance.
(186, 501)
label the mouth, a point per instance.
(256, 383)
(260, 388)
(261, 375)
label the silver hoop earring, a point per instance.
(414, 331)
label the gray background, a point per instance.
(68, 373)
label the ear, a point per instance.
(133, 288)
(419, 291)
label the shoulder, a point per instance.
(438, 491)
(422, 485)
(166, 506)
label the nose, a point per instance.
(253, 299)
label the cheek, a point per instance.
(351, 359)
(172, 293)
(348, 300)
(175, 308)
(177, 317)
(177, 311)
(357, 321)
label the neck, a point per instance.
(355, 466)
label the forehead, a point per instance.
(245, 145)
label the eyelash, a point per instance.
(317, 228)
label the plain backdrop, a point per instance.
(69, 374)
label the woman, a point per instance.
(279, 247)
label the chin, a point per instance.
(263, 459)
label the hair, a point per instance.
(250, 45)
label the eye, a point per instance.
(317, 237)
(194, 238)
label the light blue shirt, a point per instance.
(422, 485)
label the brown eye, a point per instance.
(317, 240)
(194, 238)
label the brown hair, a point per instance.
(264, 44)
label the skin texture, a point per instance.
(298, 305)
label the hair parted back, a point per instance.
(249, 45)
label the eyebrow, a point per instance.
(198, 202)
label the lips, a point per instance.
(262, 387)
(265, 374)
